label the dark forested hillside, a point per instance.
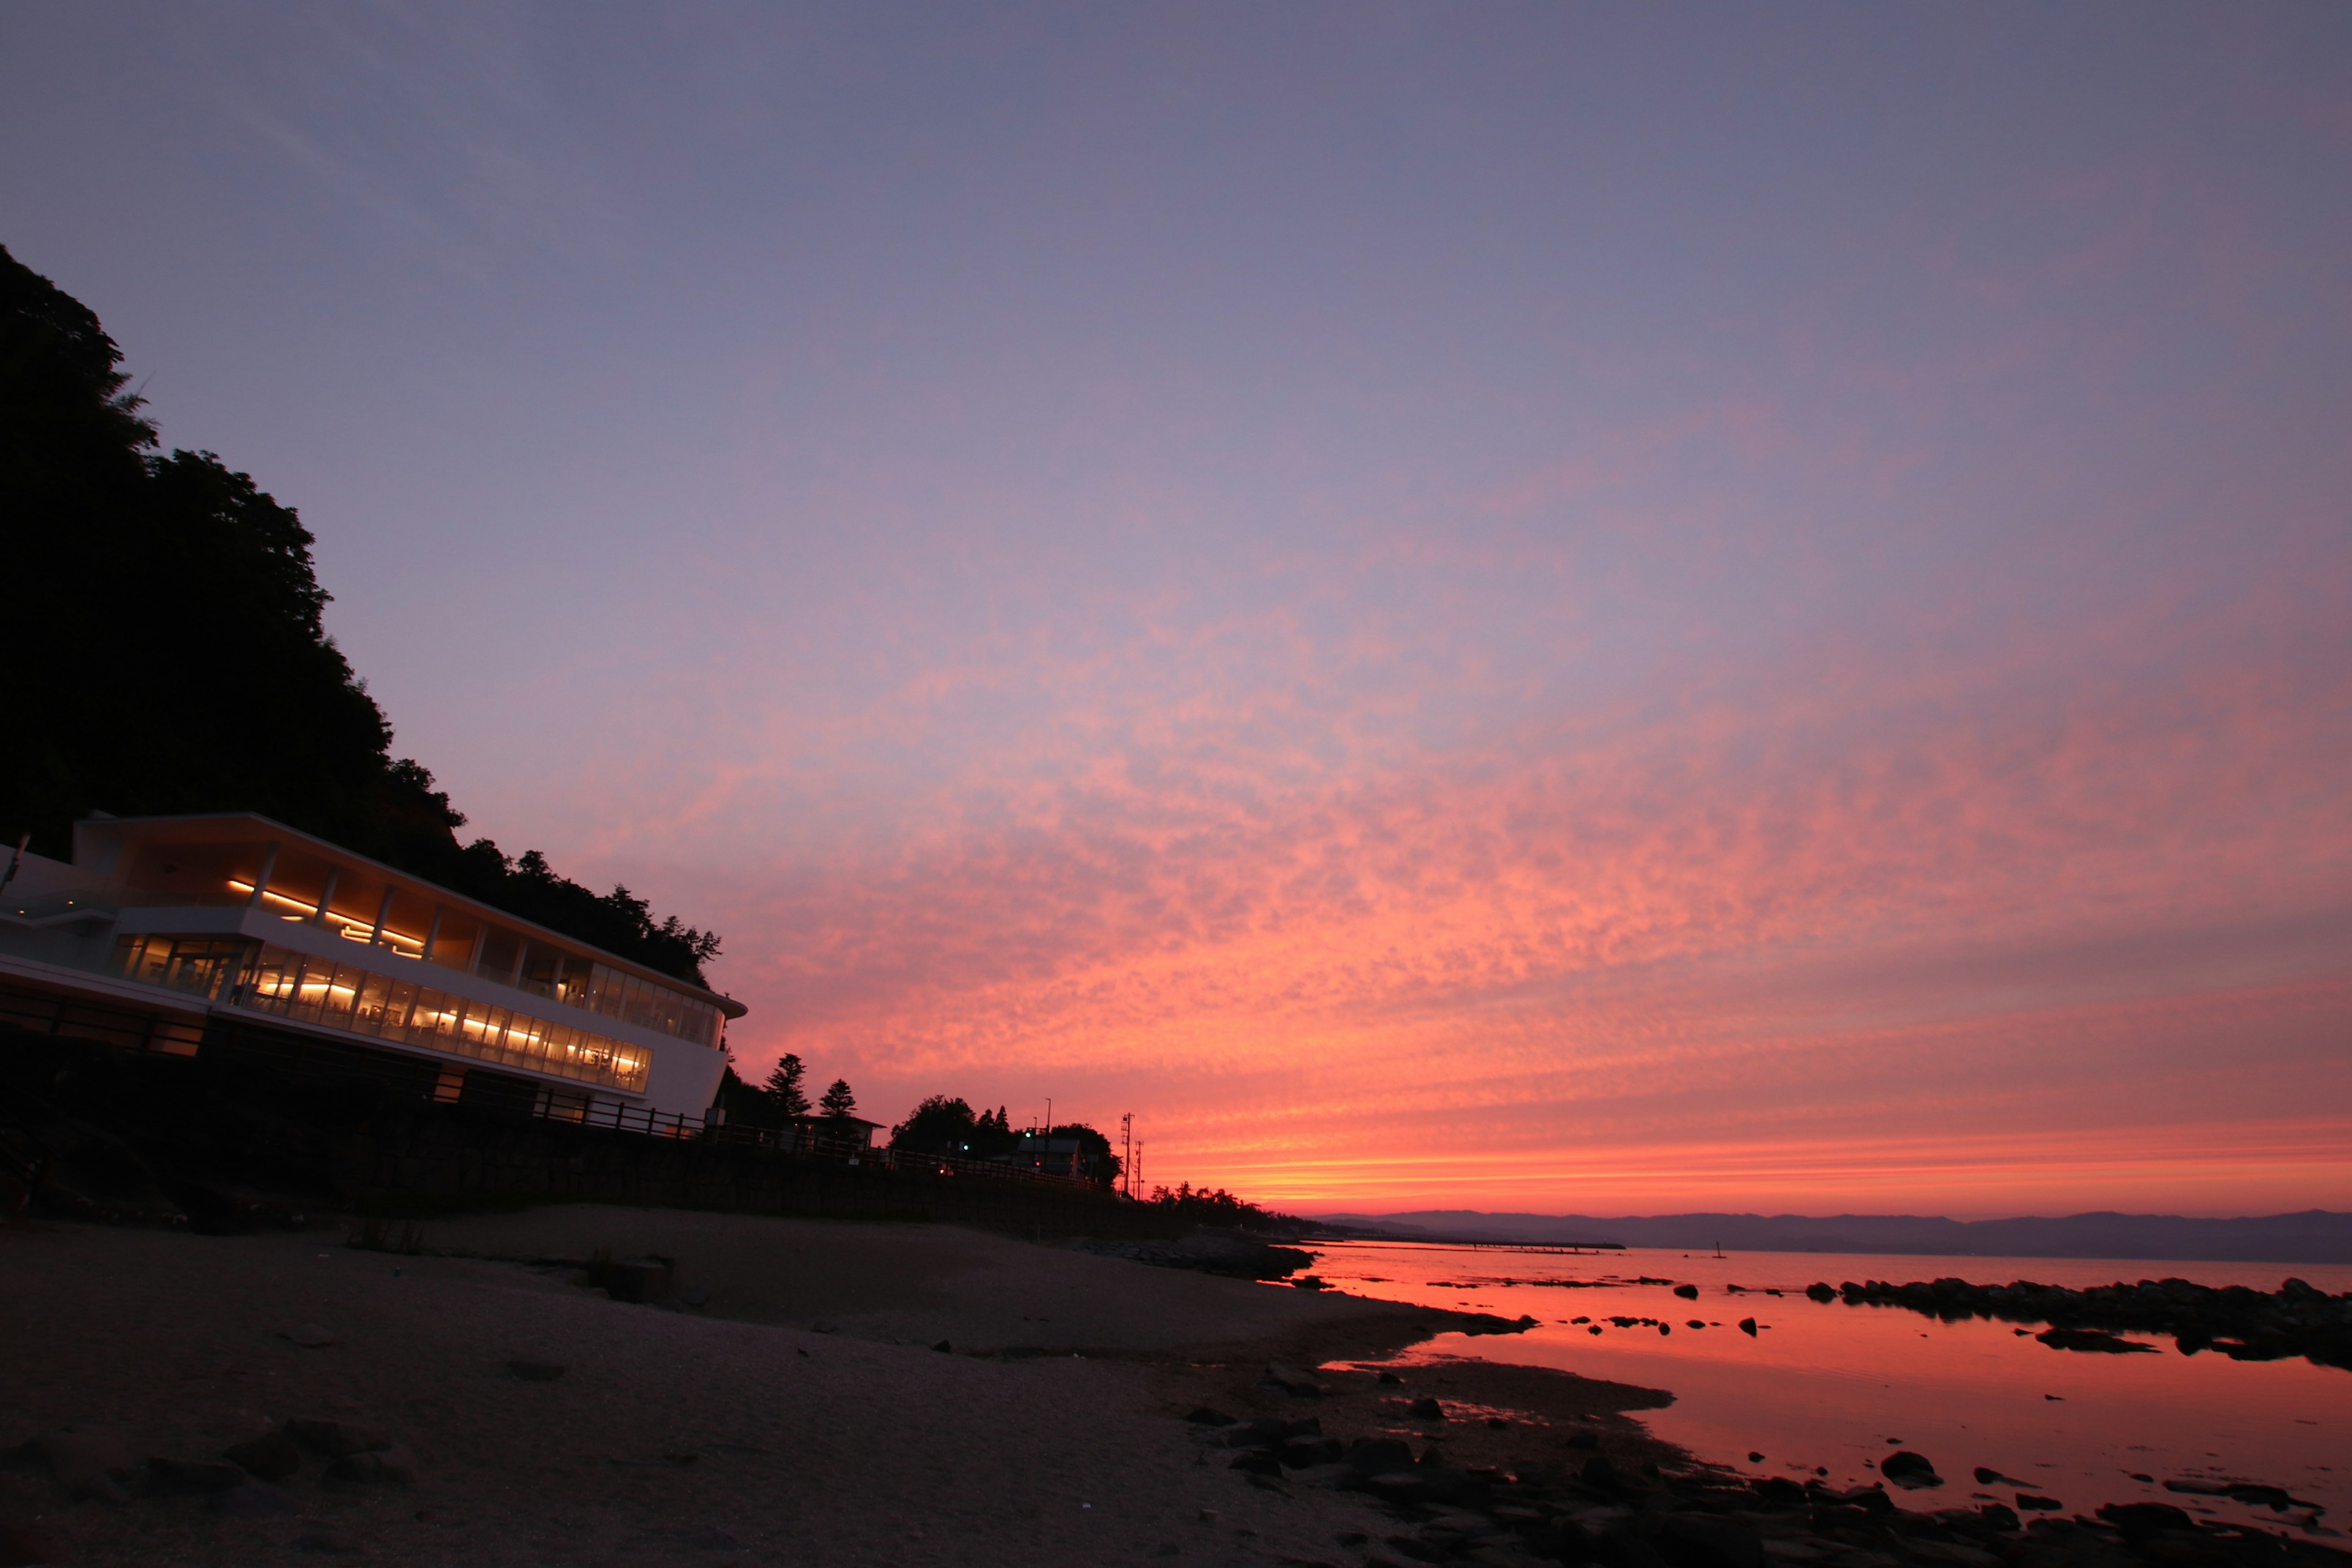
(166, 653)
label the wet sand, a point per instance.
(797, 1414)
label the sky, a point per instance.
(1551, 607)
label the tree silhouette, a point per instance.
(784, 1086)
(191, 566)
(837, 1102)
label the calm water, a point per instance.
(1836, 1386)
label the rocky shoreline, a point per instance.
(2235, 1321)
(1595, 1510)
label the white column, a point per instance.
(262, 877)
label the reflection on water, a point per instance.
(1838, 1386)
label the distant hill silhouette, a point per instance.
(2314, 1235)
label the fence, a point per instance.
(799, 1143)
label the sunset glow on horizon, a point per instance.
(1535, 608)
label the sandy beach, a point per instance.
(795, 1412)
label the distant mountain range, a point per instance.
(2315, 1235)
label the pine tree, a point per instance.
(837, 1101)
(784, 1086)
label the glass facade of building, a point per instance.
(272, 979)
(599, 988)
(303, 884)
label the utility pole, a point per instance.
(1127, 1141)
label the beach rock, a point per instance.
(1204, 1416)
(1906, 1468)
(2089, 1340)
(2028, 1503)
(272, 1456)
(1998, 1516)
(1271, 1432)
(1379, 1456)
(88, 1461)
(535, 1371)
(252, 1500)
(1697, 1541)
(1688, 1292)
(393, 1465)
(945, 1347)
(1777, 1491)
(191, 1478)
(1426, 1409)
(1748, 1327)
(1335, 1477)
(1303, 1453)
(1986, 1475)
(309, 1336)
(2138, 1520)
(1389, 1377)
(1256, 1461)
(1820, 1292)
(1291, 1379)
(333, 1438)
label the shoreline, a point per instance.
(822, 1391)
(800, 1414)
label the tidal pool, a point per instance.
(1838, 1387)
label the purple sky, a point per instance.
(1548, 607)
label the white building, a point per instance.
(165, 928)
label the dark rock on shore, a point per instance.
(332, 1438)
(2097, 1340)
(272, 1456)
(1605, 1516)
(1228, 1252)
(2241, 1324)
(1291, 1379)
(1906, 1468)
